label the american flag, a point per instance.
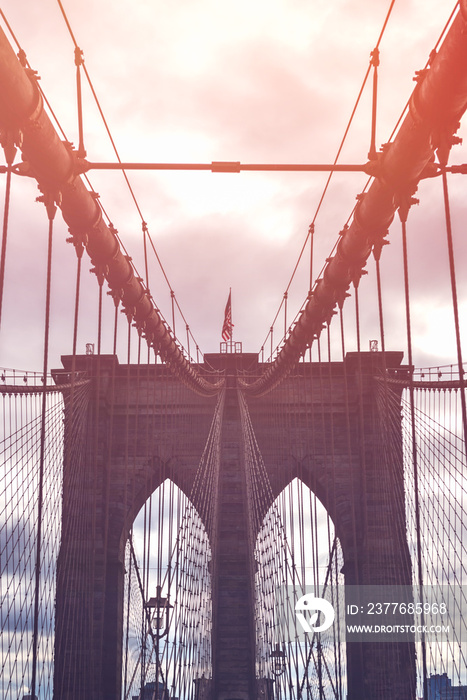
(228, 325)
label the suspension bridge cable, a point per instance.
(403, 213)
(10, 152)
(114, 147)
(24, 63)
(455, 304)
(308, 305)
(51, 210)
(339, 151)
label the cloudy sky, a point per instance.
(201, 81)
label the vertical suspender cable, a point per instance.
(78, 63)
(311, 232)
(403, 211)
(4, 236)
(172, 296)
(114, 347)
(145, 597)
(372, 154)
(72, 406)
(145, 250)
(96, 437)
(357, 315)
(285, 315)
(353, 489)
(51, 209)
(79, 252)
(188, 341)
(100, 281)
(127, 476)
(79, 248)
(377, 248)
(10, 152)
(455, 305)
(127, 631)
(106, 476)
(361, 420)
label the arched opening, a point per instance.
(298, 558)
(167, 599)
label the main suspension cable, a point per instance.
(117, 154)
(339, 151)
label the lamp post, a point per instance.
(161, 617)
(161, 607)
(278, 658)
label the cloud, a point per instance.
(241, 81)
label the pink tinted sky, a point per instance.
(251, 81)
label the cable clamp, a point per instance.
(8, 140)
(378, 246)
(79, 57)
(51, 200)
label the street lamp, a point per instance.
(278, 661)
(161, 607)
(160, 617)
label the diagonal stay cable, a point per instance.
(394, 131)
(339, 151)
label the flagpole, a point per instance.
(227, 327)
